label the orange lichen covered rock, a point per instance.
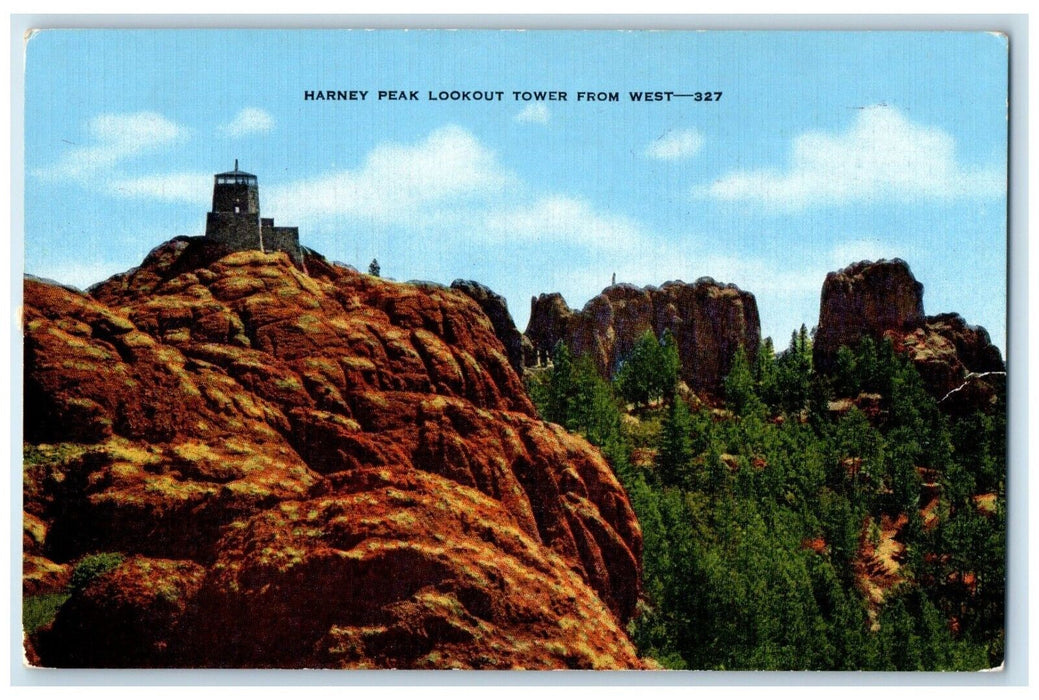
(176, 409)
(398, 568)
(128, 617)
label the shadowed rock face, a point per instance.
(497, 310)
(883, 300)
(709, 322)
(323, 469)
(866, 299)
(548, 324)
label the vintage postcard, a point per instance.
(496, 349)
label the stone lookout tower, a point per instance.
(235, 220)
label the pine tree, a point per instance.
(740, 396)
(670, 363)
(794, 372)
(560, 385)
(676, 446)
(845, 374)
(649, 370)
(592, 408)
(765, 372)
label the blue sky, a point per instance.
(825, 149)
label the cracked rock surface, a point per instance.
(307, 469)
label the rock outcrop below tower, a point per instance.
(308, 470)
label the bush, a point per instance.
(39, 610)
(92, 566)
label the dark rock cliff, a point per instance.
(866, 299)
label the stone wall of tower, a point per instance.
(245, 197)
(284, 238)
(237, 231)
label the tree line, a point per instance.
(758, 508)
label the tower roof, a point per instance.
(236, 171)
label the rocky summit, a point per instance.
(958, 362)
(306, 467)
(709, 321)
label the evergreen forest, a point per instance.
(801, 520)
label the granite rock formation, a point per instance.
(497, 310)
(866, 299)
(708, 320)
(548, 324)
(307, 470)
(883, 299)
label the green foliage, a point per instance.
(635, 378)
(753, 519)
(573, 395)
(373, 268)
(765, 367)
(793, 374)
(980, 442)
(92, 566)
(40, 610)
(670, 364)
(846, 380)
(650, 371)
(914, 636)
(731, 502)
(553, 391)
(740, 390)
(675, 455)
(562, 393)
(593, 411)
(869, 368)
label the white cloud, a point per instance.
(446, 206)
(452, 184)
(560, 218)
(676, 145)
(112, 139)
(882, 155)
(534, 113)
(194, 188)
(398, 183)
(248, 121)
